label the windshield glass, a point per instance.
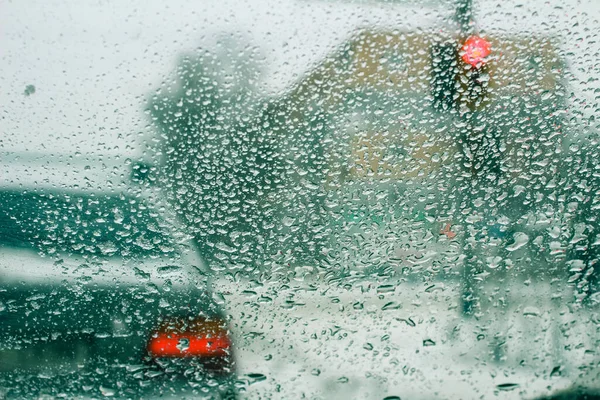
(374, 199)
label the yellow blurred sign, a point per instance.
(401, 63)
(385, 156)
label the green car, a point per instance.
(100, 295)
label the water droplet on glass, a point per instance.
(507, 386)
(183, 344)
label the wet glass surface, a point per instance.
(300, 199)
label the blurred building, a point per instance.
(365, 148)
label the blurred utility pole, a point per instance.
(464, 17)
(475, 148)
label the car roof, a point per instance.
(68, 172)
(62, 179)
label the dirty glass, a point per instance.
(323, 199)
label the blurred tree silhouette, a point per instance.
(218, 164)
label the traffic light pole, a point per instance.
(464, 20)
(459, 86)
(464, 17)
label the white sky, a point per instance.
(94, 62)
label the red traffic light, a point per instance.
(475, 50)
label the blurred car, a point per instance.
(102, 295)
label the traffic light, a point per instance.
(459, 83)
(473, 73)
(459, 74)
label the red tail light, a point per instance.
(178, 338)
